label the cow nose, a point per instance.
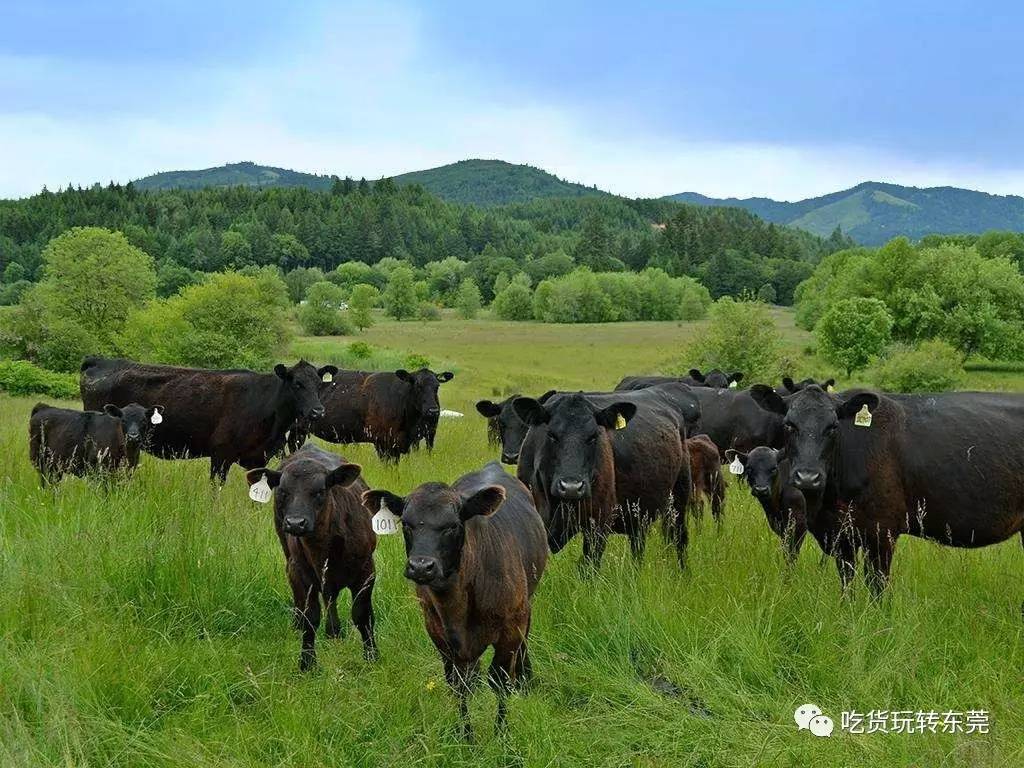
(134, 436)
(296, 526)
(508, 458)
(569, 489)
(761, 490)
(317, 412)
(420, 569)
(808, 480)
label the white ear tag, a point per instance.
(830, 389)
(737, 466)
(863, 417)
(260, 491)
(156, 418)
(620, 423)
(385, 522)
(327, 378)
(732, 385)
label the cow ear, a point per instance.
(403, 374)
(445, 376)
(484, 502)
(736, 376)
(488, 409)
(530, 411)
(787, 384)
(731, 454)
(344, 475)
(281, 371)
(847, 409)
(112, 410)
(547, 396)
(273, 477)
(696, 375)
(616, 415)
(327, 370)
(373, 500)
(768, 399)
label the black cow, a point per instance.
(767, 474)
(790, 387)
(394, 411)
(715, 379)
(944, 467)
(232, 416)
(603, 464)
(476, 551)
(62, 441)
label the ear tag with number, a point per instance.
(737, 466)
(385, 522)
(733, 385)
(620, 423)
(260, 491)
(327, 378)
(863, 417)
(156, 418)
(830, 389)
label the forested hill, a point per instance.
(234, 175)
(493, 182)
(213, 229)
(873, 212)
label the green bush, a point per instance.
(932, 366)
(429, 311)
(360, 350)
(853, 332)
(514, 302)
(22, 378)
(468, 300)
(740, 336)
(400, 296)
(361, 302)
(415, 361)
(321, 314)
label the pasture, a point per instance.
(150, 625)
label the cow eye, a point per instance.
(552, 437)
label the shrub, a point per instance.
(932, 366)
(11, 293)
(400, 296)
(854, 331)
(361, 302)
(429, 311)
(299, 281)
(515, 302)
(22, 378)
(468, 300)
(360, 350)
(740, 336)
(766, 293)
(321, 314)
(414, 361)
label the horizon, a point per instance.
(787, 103)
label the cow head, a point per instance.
(811, 425)
(136, 420)
(760, 468)
(715, 378)
(302, 491)
(303, 382)
(434, 518)
(790, 387)
(423, 386)
(510, 428)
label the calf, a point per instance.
(943, 467)
(328, 542)
(790, 387)
(63, 441)
(476, 552)
(601, 464)
(393, 411)
(785, 507)
(706, 476)
(233, 416)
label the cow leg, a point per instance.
(362, 615)
(845, 553)
(636, 529)
(595, 538)
(307, 608)
(878, 551)
(219, 467)
(333, 627)
(502, 674)
(459, 674)
(717, 497)
(678, 530)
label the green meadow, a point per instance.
(149, 625)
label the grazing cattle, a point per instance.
(63, 441)
(394, 411)
(944, 467)
(715, 379)
(476, 551)
(501, 420)
(232, 416)
(784, 505)
(608, 463)
(328, 542)
(790, 387)
(706, 476)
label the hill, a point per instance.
(245, 174)
(874, 212)
(493, 182)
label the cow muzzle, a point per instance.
(570, 488)
(808, 479)
(508, 458)
(317, 413)
(422, 570)
(296, 526)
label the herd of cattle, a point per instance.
(855, 469)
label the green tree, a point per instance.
(13, 273)
(468, 302)
(321, 314)
(299, 281)
(766, 293)
(740, 336)
(288, 252)
(932, 366)
(361, 302)
(400, 300)
(171, 277)
(235, 250)
(853, 332)
(515, 302)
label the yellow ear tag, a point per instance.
(863, 417)
(620, 423)
(830, 389)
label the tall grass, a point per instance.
(150, 626)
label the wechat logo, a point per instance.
(808, 717)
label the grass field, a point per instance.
(150, 626)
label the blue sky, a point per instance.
(781, 99)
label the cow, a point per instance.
(790, 387)
(476, 551)
(328, 542)
(391, 410)
(767, 474)
(232, 416)
(63, 441)
(730, 418)
(715, 379)
(601, 464)
(943, 467)
(706, 476)
(501, 417)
